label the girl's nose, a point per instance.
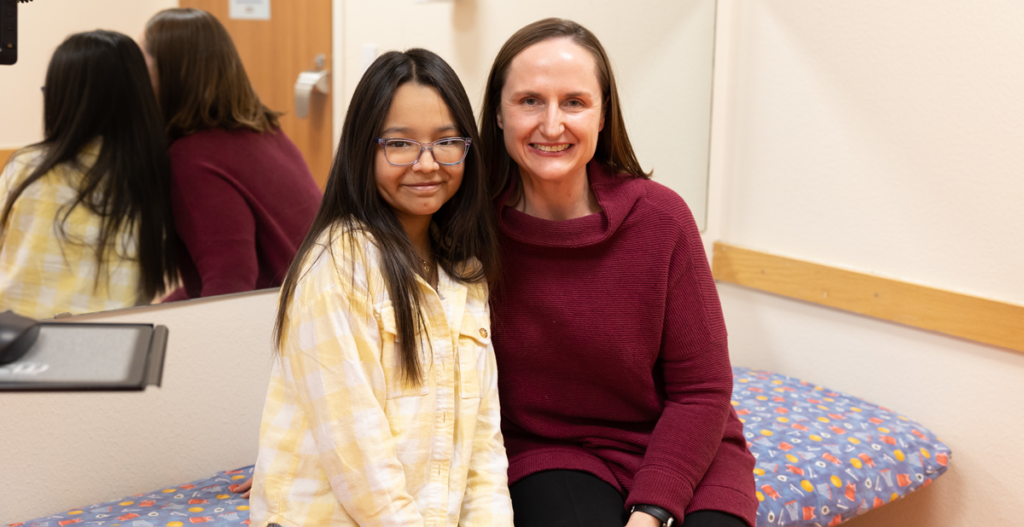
(426, 162)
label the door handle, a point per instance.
(311, 81)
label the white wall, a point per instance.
(64, 450)
(883, 137)
(42, 26)
(661, 52)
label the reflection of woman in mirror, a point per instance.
(383, 406)
(615, 376)
(243, 197)
(86, 216)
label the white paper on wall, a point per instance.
(250, 9)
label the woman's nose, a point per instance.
(553, 124)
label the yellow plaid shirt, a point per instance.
(44, 273)
(344, 442)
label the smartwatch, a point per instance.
(661, 514)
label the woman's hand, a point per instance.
(244, 487)
(642, 519)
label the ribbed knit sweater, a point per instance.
(242, 203)
(612, 352)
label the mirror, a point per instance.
(662, 53)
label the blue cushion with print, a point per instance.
(824, 457)
(206, 502)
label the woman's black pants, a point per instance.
(570, 498)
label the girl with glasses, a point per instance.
(383, 408)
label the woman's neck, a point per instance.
(557, 200)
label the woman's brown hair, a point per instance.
(613, 146)
(201, 81)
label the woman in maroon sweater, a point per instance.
(614, 377)
(242, 195)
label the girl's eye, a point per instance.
(399, 144)
(447, 141)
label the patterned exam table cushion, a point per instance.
(823, 457)
(207, 502)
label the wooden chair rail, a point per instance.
(4, 156)
(970, 317)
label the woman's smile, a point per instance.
(551, 148)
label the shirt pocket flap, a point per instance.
(474, 340)
(472, 328)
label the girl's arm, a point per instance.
(334, 360)
(486, 502)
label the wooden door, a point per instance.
(274, 52)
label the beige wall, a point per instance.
(883, 137)
(64, 450)
(42, 26)
(661, 52)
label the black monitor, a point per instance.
(89, 356)
(9, 31)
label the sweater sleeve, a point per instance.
(694, 362)
(216, 225)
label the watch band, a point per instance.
(661, 514)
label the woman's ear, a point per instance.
(502, 124)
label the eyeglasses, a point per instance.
(404, 152)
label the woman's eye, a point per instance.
(574, 103)
(530, 101)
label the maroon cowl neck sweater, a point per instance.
(612, 352)
(242, 203)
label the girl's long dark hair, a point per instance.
(465, 224)
(97, 86)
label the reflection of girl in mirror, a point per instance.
(383, 407)
(615, 374)
(243, 197)
(86, 216)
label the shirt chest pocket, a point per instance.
(474, 339)
(391, 360)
